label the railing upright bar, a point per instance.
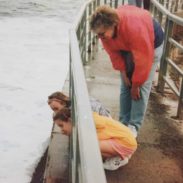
(115, 4)
(73, 139)
(87, 34)
(90, 45)
(110, 3)
(93, 36)
(94, 39)
(163, 64)
(84, 36)
(176, 5)
(98, 2)
(70, 94)
(180, 103)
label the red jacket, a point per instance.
(134, 33)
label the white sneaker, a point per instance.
(133, 130)
(114, 163)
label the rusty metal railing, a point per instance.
(170, 22)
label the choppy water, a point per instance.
(63, 9)
(34, 51)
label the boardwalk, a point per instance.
(158, 158)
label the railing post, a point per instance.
(115, 4)
(98, 2)
(180, 104)
(73, 144)
(163, 63)
(90, 48)
(84, 22)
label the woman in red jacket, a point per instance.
(132, 30)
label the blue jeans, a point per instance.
(133, 111)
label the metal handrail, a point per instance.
(75, 25)
(86, 162)
(172, 5)
(88, 168)
(170, 20)
(164, 11)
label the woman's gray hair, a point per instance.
(103, 16)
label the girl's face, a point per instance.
(56, 106)
(65, 126)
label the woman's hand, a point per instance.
(135, 92)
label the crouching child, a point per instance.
(116, 141)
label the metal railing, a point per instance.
(172, 5)
(169, 21)
(85, 161)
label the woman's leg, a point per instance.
(112, 152)
(138, 107)
(125, 103)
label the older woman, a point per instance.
(130, 29)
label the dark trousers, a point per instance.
(146, 4)
(129, 63)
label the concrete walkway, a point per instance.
(158, 158)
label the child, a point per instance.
(58, 100)
(116, 141)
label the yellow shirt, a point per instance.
(108, 128)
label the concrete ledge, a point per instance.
(57, 164)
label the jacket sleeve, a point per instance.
(115, 56)
(141, 42)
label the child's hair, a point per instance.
(60, 97)
(104, 16)
(64, 114)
